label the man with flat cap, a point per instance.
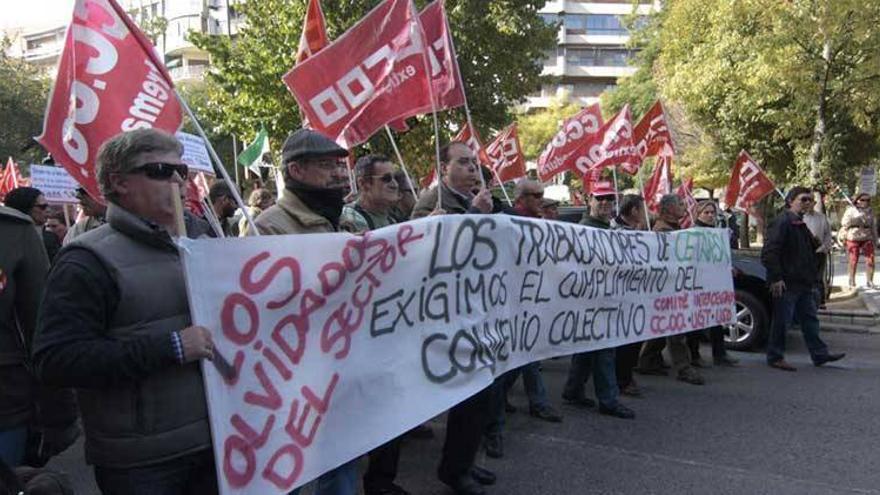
(315, 185)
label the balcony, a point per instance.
(188, 73)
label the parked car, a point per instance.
(752, 295)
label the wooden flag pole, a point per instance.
(644, 200)
(616, 193)
(402, 164)
(179, 222)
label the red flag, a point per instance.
(561, 153)
(660, 182)
(590, 178)
(748, 183)
(196, 190)
(314, 33)
(109, 81)
(445, 76)
(652, 132)
(429, 180)
(10, 178)
(373, 74)
(469, 136)
(610, 146)
(505, 153)
(685, 191)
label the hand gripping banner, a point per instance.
(329, 345)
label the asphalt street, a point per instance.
(749, 430)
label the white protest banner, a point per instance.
(55, 183)
(333, 344)
(195, 154)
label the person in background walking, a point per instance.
(860, 227)
(789, 255)
(817, 222)
(705, 215)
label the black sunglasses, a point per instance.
(386, 178)
(807, 200)
(162, 171)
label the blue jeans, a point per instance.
(601, 365)
(535, 390)
(12, 445)
(800, 304)
(340, 481)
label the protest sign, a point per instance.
(868, 181)
(561, 153)
(326, 352)
(195, 154)
(109, 80)
(55, 183)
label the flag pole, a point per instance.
(783, 195)
(218, 164)
(644, 199)
(400, 159)
(421, 34)
(500, 184)
(235, 158)
(616, 189)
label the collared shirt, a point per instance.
(817, 222)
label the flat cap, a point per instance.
(306, 143)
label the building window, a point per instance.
(598, 57)
(575, 24)
(604, 24)
(550, 19)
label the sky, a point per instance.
(34, 13)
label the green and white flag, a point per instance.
(253, 157)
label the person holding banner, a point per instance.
(92, 210)
(860, 227)
(631, 217)
(789, 255)
(600, 363)
(372, 210)
(115, 324)
(466, 420)
(671, 210)
(315, 182)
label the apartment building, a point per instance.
(591, 52)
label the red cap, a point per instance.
(602, 188)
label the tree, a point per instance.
(500, 45)
(23, 94)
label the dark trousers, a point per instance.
(716, 337)
(797, 303)
(382, 469)
(626, 358)
(464, 432)
(186, 475)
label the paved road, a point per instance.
(750, 430)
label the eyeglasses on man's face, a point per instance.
(162, 171)
(386, 178)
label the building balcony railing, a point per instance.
(188, 73)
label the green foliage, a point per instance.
(499, 43)
(24, 90)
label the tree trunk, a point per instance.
(744, 241)
(819, 128)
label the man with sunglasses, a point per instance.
(92, 210)
(600, 363)
(378, 194)
(466, 420)
(789, 255)
(115, 324)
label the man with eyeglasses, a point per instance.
(31, 202)
(378, 193)
(115, 324)
(789, 255)
(466, 420)
(600, 363)
(315, 185)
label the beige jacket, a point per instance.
(291, 216)
(859, 224)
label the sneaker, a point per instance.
(828, 358)
(547, 414)
(690, 375)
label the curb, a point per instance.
(851, 329)
(869, 301)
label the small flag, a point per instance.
(254, 156)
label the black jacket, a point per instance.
(789, 253)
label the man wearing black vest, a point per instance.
(466, 420)
(115, 324)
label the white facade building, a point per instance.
(42, 46)
(591, 50)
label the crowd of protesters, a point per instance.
(111, 318)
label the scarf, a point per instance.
(323, 201)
